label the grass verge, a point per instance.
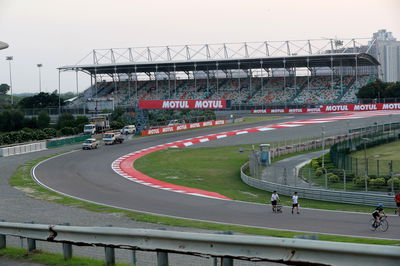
(47, 258)
(22, 180)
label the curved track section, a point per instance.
(87, 175)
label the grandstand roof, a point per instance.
(319, 60)
(3, 45)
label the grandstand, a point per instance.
(288, 73)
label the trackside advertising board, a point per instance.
(167, 129)
(182, 104)
(332, 108)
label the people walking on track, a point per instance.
(274, 200)
(397, 199)
(295, 199)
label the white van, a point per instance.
(129, 129)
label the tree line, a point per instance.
(379, 89)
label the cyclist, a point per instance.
(378, 213)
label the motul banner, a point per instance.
(182, 104)
(332, 108)
(167, 129)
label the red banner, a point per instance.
(182, 104)
(167, 129)
(332, 108)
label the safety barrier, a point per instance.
(66, 141)
(318, 194)
(227, 247)
(22, 148)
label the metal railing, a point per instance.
(226, 247)
(318, 194)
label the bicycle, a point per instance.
(382, 224)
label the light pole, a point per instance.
(9, 59)
(40, 77)
(365, 162)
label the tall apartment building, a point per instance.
(387, 50)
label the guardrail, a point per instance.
(22, 148)
(318, 194)
(227, 247)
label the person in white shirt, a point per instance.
(295, 199)
(274, 200)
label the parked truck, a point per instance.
(97, 124)
(111, 138)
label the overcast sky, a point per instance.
(61, 32)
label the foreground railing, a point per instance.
(227, 247)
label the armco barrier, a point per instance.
(332, 108)
(23, 148)
(318, 194)
(180, 127)
(228, 247)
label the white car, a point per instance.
(129, 129)
(176, 122)
(90, 144)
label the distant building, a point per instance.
(387, 50)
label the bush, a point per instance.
(396, 182)
(67, 131)
(319, 171)
(360, 181)
(50, 132)
(314, 163)
(116, 125)
(332, 178)
(378, 182)
(43, 120)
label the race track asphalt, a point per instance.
(88, 175)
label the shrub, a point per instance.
(319, 171)
(360, 181)
(50, 132)
(68, 131)
(377, 182)
(396, 181)
(332, 178)
(116, 125)
(314, 163)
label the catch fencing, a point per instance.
(370, 199)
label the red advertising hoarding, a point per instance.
(182, 104)
(167, 129)
(332, 108)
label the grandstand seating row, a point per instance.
(254, 91)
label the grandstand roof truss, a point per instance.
(227, 56)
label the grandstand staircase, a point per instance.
(142, 120)
(254, 92)
(301, 88)
(346, 89)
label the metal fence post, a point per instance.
(109, 254)
(67, 248)
(326, 178)
(344, 179)
(31, 243)
(162, 256)
(3, 240)
(134, 259)
(225, 261)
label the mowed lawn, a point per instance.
(389, 151)
(385, 154)
(212, 169)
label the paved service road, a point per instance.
(88, 175)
